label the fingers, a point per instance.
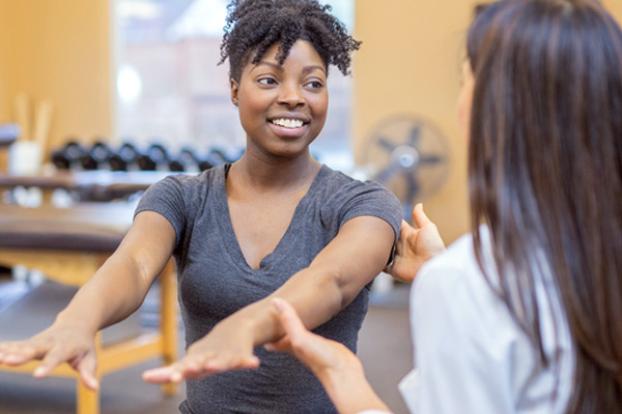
(419, 217)
(230, 362)
(18, 353)
(307, 346)
(52, 359)
(87, 369)
(198, 366)
(282, 345)
(163, 375)
(289, 319)
(406, 230)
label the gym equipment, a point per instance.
(69, 156)
(409, 155)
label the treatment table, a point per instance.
(68, 245)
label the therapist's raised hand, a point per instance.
(417, 244)
(324, 357)
(225, 348)
(338, 369)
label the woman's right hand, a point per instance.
(56, 345)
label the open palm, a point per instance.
(417, 244)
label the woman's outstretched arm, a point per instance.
(115, 291)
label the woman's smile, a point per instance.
(289, 126)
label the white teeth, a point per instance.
(288, 123)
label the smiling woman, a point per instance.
(186, 100)
(275, 222)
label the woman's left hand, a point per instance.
(225, 348)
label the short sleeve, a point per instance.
(368, 198)
(166, 197)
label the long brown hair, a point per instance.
(545, 175)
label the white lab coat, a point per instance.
(470, 356)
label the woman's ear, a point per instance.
(235, 87)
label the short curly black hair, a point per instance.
(253, 26)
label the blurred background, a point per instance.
(107, 75)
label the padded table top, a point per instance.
(91, 185)
(86, 227)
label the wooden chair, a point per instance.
(68, 246)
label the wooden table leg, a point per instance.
(87, 400)
(4, 161)
(168, 320)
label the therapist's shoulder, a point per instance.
(455, 274)
(451, 265)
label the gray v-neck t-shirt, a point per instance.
(216, 281)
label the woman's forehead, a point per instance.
(302, 53)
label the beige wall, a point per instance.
(4, 42)
(410, 62)
(615, 7)
(59, 50)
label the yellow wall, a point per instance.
(615, 7)
(4, 42)
(59, 50)
(410, 62)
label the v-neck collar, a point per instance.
(230, 239)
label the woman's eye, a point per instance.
(315, 84)
(267, 81)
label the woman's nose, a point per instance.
(291, 95)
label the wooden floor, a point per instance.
(384, 347)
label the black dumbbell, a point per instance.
(101, 152)
(177, 165)
(204, 164)
(97, 156)
(60, 160)
(128, 152)
(88, 162)
(125, 158)
(69, 155)
(146, 163)
(158, 153)
(117, 163)
(188, 158)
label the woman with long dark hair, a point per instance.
(524, 314)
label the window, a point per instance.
(170, 89)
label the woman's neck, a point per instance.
(271, 174)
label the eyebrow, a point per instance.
(305, 70)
